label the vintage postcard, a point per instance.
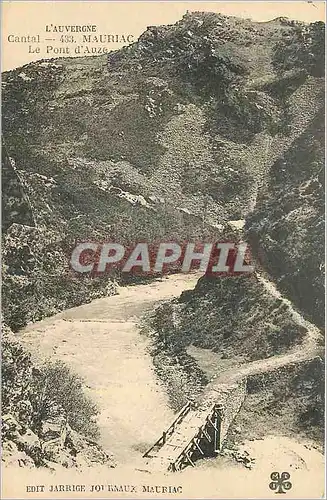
(163, 249)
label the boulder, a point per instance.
(12, 456)
(86, 451)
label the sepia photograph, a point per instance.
(163, 302)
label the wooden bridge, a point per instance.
(198, 430)
(195, 432)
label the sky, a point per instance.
(23, 18)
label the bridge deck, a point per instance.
(186, 436)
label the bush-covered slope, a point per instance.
(288, 401)
(233, 316)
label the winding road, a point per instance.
(101, 342)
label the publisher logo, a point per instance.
(280, 482)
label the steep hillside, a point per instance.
(226, 315)
(286, 229)
(288, 401)
(167, 138)
(240, 319)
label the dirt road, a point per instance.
(101, 342)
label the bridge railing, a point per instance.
(168, 432)
(201, 434)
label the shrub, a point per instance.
(58, 385)
(16, 372)
(48, 391)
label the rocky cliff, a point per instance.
(286, 227)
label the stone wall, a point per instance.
(228, 397)
(232, 405)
